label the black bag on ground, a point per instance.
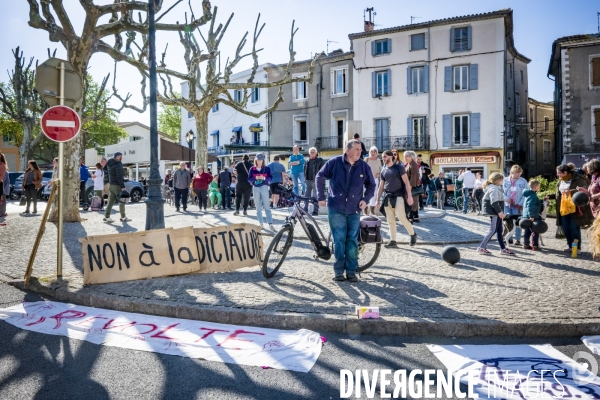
(370, 229)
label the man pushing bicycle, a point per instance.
(351, 186)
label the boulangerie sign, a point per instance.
(246, 345)
(518, 371)
(164, 252)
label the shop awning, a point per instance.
(214, 133)
(237, 129)
(256, 128)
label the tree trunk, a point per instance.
(201, 137)
(24, 148)
(70, 185)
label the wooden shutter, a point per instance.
(447, 130)
(426, 73)
(409, 130)
(447, 79)
(596, 71)
(409, 80)
(389, 45)
(373, 48)
(389, 79)
(597, 124)
(473, 77)
(475, 129)
(451, 39)
(374, 84)
(469, 37)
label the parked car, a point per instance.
(13, 178)
(18, 187)
(135, 189)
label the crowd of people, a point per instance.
(360, 182)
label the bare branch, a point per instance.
(56, 33)
(63, 17)
(166, 12)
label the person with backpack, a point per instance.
(243, 189)
(396, 185)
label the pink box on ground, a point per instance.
(367, 312)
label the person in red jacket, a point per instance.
(200, 183)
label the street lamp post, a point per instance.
(190, 140)
(155, 213)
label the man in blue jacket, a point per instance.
(297, 164)
(351, 185)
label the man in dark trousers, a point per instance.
(363, 151)
(225, 188)
(116, 186)
(181, 183)
(311, 169)
(243, 189)
(84, 175)
(351, 185)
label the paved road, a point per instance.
(409, 284)
(38, 366)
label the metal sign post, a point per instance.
(61, 174)
(59, 124)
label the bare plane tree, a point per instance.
(80, 48)
(214, 87)
(22, 103)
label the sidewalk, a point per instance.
(533, 294)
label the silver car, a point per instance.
(135, 189)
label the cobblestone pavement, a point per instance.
(408, 283)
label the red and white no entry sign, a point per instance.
(60, 123)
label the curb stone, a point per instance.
(391, 326)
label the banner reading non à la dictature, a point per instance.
(164, 252)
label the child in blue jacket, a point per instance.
(532, 209)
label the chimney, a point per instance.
(370, 24)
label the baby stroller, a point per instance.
(286, 197)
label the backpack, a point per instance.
(370, 230)
(96, 203)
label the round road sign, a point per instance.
(60, 123)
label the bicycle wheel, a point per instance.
(459, 203)
(367, 255)
(277, 251)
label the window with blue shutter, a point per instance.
(417, 41)
(447, 130)
(417, 79)
(475, 129)
(255, 95)
(447, 79)
(473, 77)
(382, 83)
(374, 84)
(380, 47)
(460, 39)
(409, 89)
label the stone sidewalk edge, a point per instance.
(394, 326)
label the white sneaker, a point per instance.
(108, 220)
(125, 219)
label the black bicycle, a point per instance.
(283, 240)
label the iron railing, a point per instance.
(220, 151)
(329, 143)
(417, 142)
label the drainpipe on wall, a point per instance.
(319, 98)
(505, 100)
(429, 91)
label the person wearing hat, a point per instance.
(260, 177)
(243, 189)
(278, 174)
(116, 185)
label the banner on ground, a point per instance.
(245, 345)
(518, 371)
(164, 252)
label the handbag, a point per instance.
(370, 230)
(560, 234)
(418, 191)
(566, 204)
(23, 201)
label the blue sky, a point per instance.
(537, 24)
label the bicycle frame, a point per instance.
(298, 214)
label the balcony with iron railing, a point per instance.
(329, 143)
(220, 150)
(416, 142)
